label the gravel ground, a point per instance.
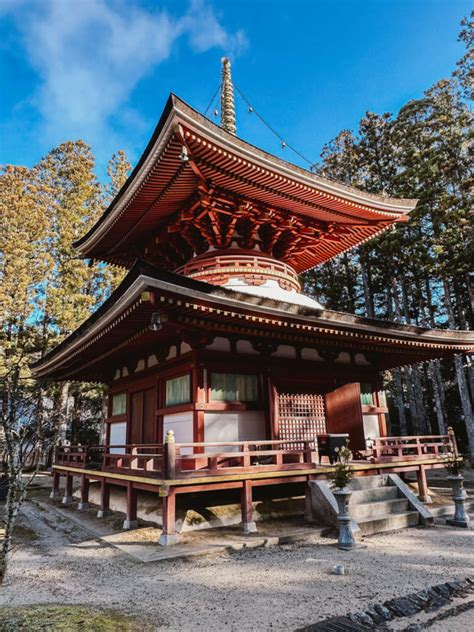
(279, 588)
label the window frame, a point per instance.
(189, 401)
(118, 416)
(248, 403)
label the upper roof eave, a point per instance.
(177, 112)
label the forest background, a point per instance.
(418, 273)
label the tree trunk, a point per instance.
(399, 401)
(460, 376)
(368, 297)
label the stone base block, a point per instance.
(128, 525)
(168, 539)
(67, 500)
(427, 500)
(249, 527)
(103, 513)
(81, 506)
(464, 524)
(55, 494)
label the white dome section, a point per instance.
(271, 289)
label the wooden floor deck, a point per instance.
(171, 469)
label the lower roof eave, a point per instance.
(172, 291)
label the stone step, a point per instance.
(389, 522)
(377, 508)
(378, 493)
(367, 482)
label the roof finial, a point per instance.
(227, 98)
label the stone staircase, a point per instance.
(378, 504)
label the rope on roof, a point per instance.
(284, 144)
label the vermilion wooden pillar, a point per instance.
(67, 498)
(104, 499)
(248, 524)
(131, 521)
(55, 488)
(423, 491)
(84, 503)
(169, 535)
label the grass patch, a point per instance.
(66, 619)
(23, 535)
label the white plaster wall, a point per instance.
(140, 366)
(245, 425)
(285, 351)
(244, 346)
(343, 358)
(310, 354)
(182, 426)
(361, 360)
(152, 360)
(219, 344)
(118, 436)
(371, 426)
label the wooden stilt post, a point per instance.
(67, 498)
(131, 521)
(104, 499)
(169, 535)
(308, 503)
(423, 491)
(84, 503)
(55, 487)
(248, 524)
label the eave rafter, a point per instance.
(214, 217)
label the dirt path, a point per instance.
(281, 588)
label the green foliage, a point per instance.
(343, 471)
(417, 272)
(67, 619)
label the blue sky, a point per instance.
(101, 70)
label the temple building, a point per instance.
(210, 336)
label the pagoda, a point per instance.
(209, 341)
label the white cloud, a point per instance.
(90, 54)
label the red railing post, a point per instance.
(169, 456)
(452, 441)
(246, 457)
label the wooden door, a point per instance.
(136, 419)
(344, 414)
(150, 434)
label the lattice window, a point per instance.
(302, 416)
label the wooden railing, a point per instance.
(189, 460)
(172, 460)
(79, 455)
(196, 459)
(386, 449)
(147, 458)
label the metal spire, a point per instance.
(227, 99)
